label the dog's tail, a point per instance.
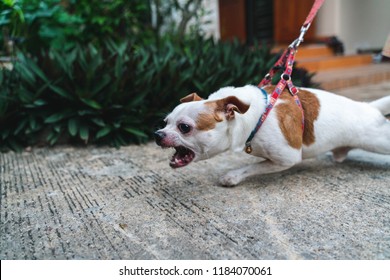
(382, 104)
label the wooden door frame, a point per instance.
(288, 17)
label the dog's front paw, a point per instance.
(230, 179)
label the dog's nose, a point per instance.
(159, 136)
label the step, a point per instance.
(313, 50)
(366, 92)
(336, 79)
(307, 51)
(325, 63)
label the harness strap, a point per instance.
(281, 63)
(285, 61)
(272, 100)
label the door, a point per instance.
(255, 19)
(232, 19)
(289, 16)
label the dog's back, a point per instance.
(344, 124)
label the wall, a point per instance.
(357, 23)
(209, 17)
(211, 28)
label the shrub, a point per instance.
(33, 25)
(115, 94)
(101, 72)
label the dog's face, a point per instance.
(198, 129)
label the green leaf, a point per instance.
(85, 112)
(61, 92)
(118, 67)
(120, 140)
(63, 63)
(71, 57)
(26, 75)
(21, 125)
(73, 126)
(56, 117)
(52, 137)
(101, 83)
(37, 70)
(57, 128)
(33, 123)
(98, 121)
(25, 95)
(15, 146)
(5, 133)
(84, 133)
(136, 132)
(103, 132)
(91, 103)
(39, 102)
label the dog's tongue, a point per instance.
(182, 157)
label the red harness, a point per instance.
(286, 61)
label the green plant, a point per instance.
(11, 14)
(115, 94)
(78, 96)
(22, 23)
(62, 24)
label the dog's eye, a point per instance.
(184, 128)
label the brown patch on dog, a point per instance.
(216, 109)
(228, 106)
(290, 117)
(311, 107)
(207, 121)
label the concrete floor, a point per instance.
(104, 203)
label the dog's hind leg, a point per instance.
(340, 154)
(377, 139)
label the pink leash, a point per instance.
(286, 61)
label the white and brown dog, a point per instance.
(200, 129)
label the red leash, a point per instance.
(313, 12)
(286, 61)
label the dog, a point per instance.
(200, 128)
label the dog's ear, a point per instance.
(230, 105)
(191, 97)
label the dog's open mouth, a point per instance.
(182, 157)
